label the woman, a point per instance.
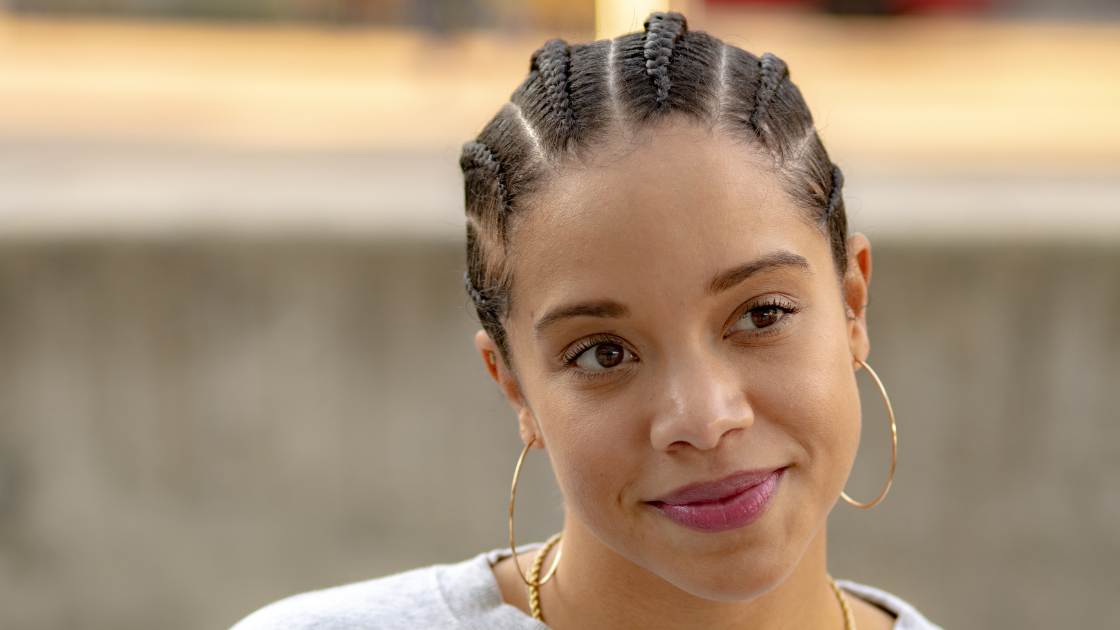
(658, 253)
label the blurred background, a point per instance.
(236, 361)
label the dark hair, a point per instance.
(576, 94)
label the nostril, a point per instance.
(730, 432)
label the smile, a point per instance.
(730, 503)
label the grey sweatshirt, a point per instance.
(462, 596)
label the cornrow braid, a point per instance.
(836, 220)
(483, 176)
(576, 96)
(835, 196)
(772, 71)
(479, 300)
(662, 32)
(478, 157)
(552, 62)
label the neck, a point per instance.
(595, 587)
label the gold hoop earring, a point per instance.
(894, 442)
(535, 582)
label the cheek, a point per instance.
(596, 446)
(828, 426)
(814, 398)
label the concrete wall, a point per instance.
(191, 429)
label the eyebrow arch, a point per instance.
(727, 279)
(602, 308)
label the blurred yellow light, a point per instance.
(616, 17)
(915, 90)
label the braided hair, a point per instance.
(576, 94)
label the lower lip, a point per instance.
(733, 512)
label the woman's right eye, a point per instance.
(603, 356)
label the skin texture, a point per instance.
(639, 234)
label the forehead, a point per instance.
(656, 214)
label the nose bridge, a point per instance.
(704, 399)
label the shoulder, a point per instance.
(907, 617)
(407, 600)
(417, 600)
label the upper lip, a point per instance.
(716, 491)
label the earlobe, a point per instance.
(528, 429)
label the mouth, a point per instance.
(730, 503)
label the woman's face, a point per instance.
(682, 348)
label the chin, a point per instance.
(735, 577)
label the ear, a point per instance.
(500, 372)
(856, 284)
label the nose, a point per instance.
(703, 402)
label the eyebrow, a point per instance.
(727, 279)
(608, 309)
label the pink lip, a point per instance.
(730, 503)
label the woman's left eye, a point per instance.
(603, 356)
(760, 317)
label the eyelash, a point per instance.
(583, 345)
(783, 304)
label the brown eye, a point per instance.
(603, 356)
(608, 354)
(768, 316)
(761, 317)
